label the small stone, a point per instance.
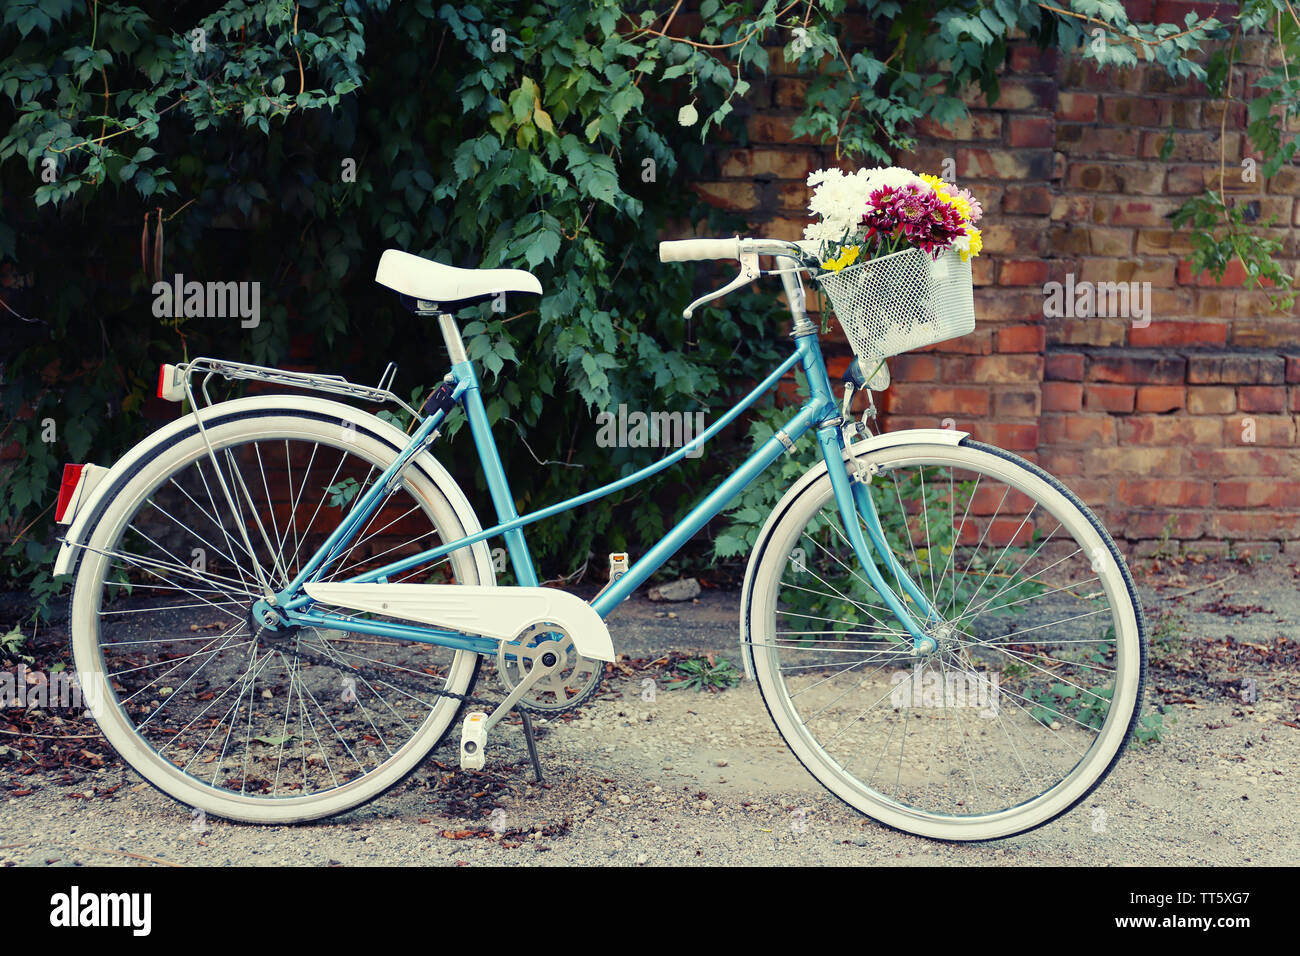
(682, 590)
(720, 763)
(641, 859)
(624, 798)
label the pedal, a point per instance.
(617, 568)
(473, 741)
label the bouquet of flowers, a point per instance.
(874, 212)
(896, 250)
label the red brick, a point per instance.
(1160, 398)
(769, 164)
(1017, 403)
(1261, 398)
(1259, 525)
(1077, 107)
(1235, 369)
(1142, 462)
(1167, 492)
(1130, 111)
(790, 93)
(1211, 400)
(1092, 430)
(1010, 369)
(913, 367)
(1246, 460)
(1062, 396)
(1010, 164)
(1111, 398)
(1031, 272)
(1257, 493)
(1015, 93)
(1148, 369)
(972, 126)
(1179, 334)
(1152, 522)
(1033, 132)
(1100, 142)
(1030, 58)
(1175, 11)
(1276, 431)
(1064, 366)
(1169, 430)
(1010, 437)
(1293, 369)
(1021, 338)
(730, 195)
(775, 128)
(1234, 276)
(921, 399)
(1027, 200)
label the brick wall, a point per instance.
(1188, 424)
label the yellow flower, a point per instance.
(947, 193)
(846, 258)
(976, 244)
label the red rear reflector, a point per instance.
(162, 373)
(71, 478)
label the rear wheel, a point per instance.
(1037, 682)
(223, 715)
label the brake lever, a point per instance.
(749, 271)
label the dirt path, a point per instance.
(704, 778)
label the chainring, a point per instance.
(570, 685)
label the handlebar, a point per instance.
(695, 250)
(747, 251)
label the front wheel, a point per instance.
(1037, 681)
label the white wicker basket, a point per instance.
(900, 302)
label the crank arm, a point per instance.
(536, 672)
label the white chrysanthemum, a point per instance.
(840, 200)
(896, 177)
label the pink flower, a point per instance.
(914, 213)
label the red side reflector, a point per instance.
(71, 478)
(162, 372)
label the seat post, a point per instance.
(450, 331)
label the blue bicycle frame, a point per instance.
(819, 412)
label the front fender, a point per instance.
(912, 436)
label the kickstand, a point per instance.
(532, 742)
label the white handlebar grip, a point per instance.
(689, 250)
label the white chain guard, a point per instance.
(500, 613)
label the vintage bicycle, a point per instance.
(281, 602)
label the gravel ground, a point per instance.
(696, 777)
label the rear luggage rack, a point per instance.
(310, 381)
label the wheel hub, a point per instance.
(267, 624)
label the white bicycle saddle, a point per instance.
(432, 281)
